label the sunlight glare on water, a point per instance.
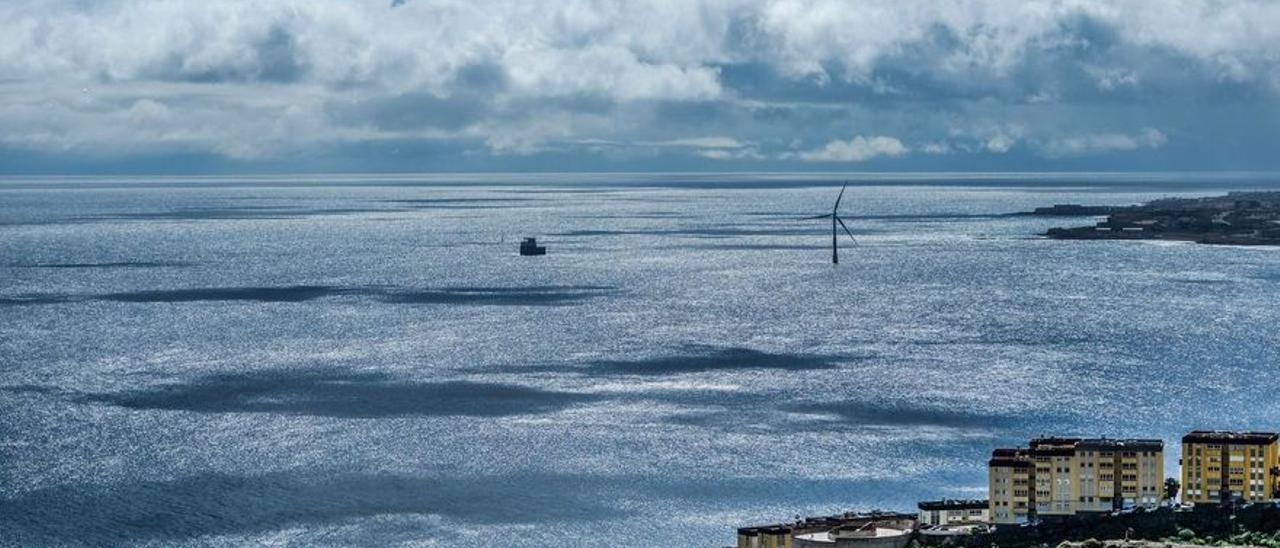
(369, 361)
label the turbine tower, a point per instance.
(835, 219)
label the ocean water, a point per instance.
(366, 360)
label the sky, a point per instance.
(210, 86)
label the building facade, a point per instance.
(1221, 466)
(769, 536)
(953, 512)
(1064, 476)
(1009, 485)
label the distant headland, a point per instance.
(1239, 218)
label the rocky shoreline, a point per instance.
(1239, 218)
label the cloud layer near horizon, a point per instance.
(896, 84)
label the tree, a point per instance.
(1171, 487)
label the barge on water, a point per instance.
(530, 247)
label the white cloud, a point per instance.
(611, 72)
(702, 142)
(1110, 79)
(858, 149)
(939, 147)
(1083, 145)
(252, 79)
(1000, 143)
(734, 154)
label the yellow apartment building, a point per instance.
(1069, 475)
(1221, 466)
(1009, 485)
(1116, 474)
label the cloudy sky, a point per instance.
(660, 85)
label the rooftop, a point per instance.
(1016, 458)
(952, 504)
(1228, 436)
(1108, 444)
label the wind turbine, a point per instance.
(835, 218)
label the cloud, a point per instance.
(1083, 145)
(739, 154)
(258, 82)
(704, 142)
(858, 149)
(936, 148)
(1000, 143)
(1109, 79)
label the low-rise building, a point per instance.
(1222, 466)
(953, 512)
(848, 530)
(768, 536)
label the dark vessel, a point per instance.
(530, 247)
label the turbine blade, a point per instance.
(827, 216)
(833, 210)
(846, 230)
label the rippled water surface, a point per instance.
(368, 361)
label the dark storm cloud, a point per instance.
(342, 394)
(187, 508)
(272, 57)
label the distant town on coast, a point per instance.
(1239, 218)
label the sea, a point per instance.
(367, 360)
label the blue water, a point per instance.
(366, 360)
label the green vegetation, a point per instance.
(1247, 538)
(1171, 487)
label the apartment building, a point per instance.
(1064, 476)
(1009, 485)
(1221, 466)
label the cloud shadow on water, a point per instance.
(221, 504)
(701, 359)
(35, 299)
(290, 294)
(744, 413)
(466, 203)
(342, 394)
(906, 414)
(498, 296)
(698, 232)
(119, 264)
(505, 296)
(235, 213)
